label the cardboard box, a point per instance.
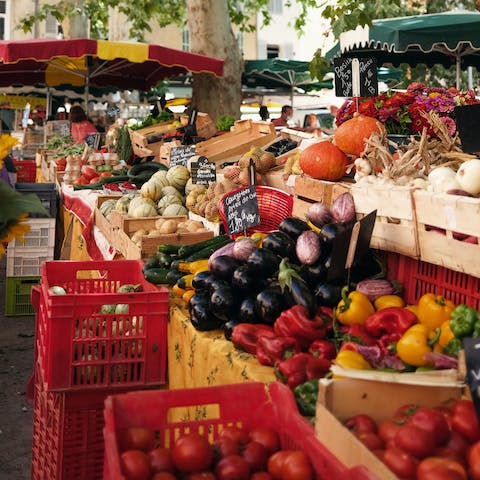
(452, 217)
(395, 227)
(340, 399)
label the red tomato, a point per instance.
(361, 423)
(267, 437)
(135, 465)
(161, 460)
(275, 463)
(256, 455)
(297, 466)
(201, 476)
(106, 174)
(261, 476)
(437, 468)
(235, 433)
(233, 467)
(464, 420)
(379, 454)
(433, 421)
(447, 413)
(192, 453)
(447, 452)
(164, 476)
(94, 180)
(80, 181)
(387, 430)
(415, 440)
(89, 172)
(458, 443)
(226, 446)
(137, 438)
(371, 440)
(403, 413)
(400, 463)
(474, 461)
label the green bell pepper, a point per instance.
(453, 347)
(464, 321)
(306, 396)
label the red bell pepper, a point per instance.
(323, 349)
(300, 368)
(271, 350)
(296, 323)
(356, 333)
(389, 320)
(388, 341)
(245, 335)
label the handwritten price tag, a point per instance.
(241, 210)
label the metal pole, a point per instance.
(458, 72)
(470, 77)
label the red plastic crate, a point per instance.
(420, 277)
(78, 347)
(26, 170)
(273, 206)
(246, 405)
(67, 437)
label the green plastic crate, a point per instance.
(17, 295)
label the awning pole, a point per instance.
(458, 72)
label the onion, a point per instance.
(376, 288)
(468, 176)
(56, 290)
(343, 208)
(319, 214)
(243, 248)
(308, 247)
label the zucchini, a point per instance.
(173, 276)
(157, 275)
(187, 250)
(207, 251)
(99, 185)
(142, 169)
(168, 248)
(164, 260)
(152, 262)
(185, 281)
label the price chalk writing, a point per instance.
(180, 155)
(203, 172)
(355, 77)
(241, 210)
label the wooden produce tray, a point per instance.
(232, 145)
(205, 126)
(149, 245)
(340, 399)
(395, 227)
(139, 139)
(130, 225)
(100, 221)
(308, 190)
(452, 217)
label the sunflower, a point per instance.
(13, 229)
(6, 143)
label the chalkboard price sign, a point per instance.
(203, 172)
(471, 347)
(180, 155)
(355, 77)
(241, 210)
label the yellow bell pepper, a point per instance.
(386, 301)
(446, 335)
(413, 309)
(351, 359)
(433, 310)
(188, 295)
(353, 308)
(415, 343)
(258, 237)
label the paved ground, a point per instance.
(16, 360)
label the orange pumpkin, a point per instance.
(324, 161)
(350, 136)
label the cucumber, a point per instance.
(157, 275)
(142, 169)
(168, 248)
(207, 251)
(187, 250)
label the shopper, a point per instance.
(264, 113)
(285, 116)
(81, 127)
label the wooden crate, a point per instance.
(453, 218)
(308, 190)
(232, 145)
(101, 222)
(205, 126)
(395, 227)
(149, 245)
(139, 139)
(340, 399)
(130, 225)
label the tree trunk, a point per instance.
(211, 34)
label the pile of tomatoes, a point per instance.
(236, 454)
(422, 443)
